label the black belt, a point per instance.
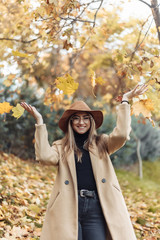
(86, 193)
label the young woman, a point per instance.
(86, 202)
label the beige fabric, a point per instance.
(61, 220)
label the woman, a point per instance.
(86, 202)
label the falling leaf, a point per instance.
(5, 107)
(8, 82)
(100, 80)
(17, 111)
(66, 84)
(119, 98)
(92, 76)
(67, 45)
(20, 54)
(144, 106)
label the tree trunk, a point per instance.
(140, 170)
(140, 165)
(156, 15)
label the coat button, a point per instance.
(103, 180)
(66, 182)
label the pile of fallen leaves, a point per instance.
(25, 189)
(143, 200)
(24, 192)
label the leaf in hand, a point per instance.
(17, 111)
(144, 106)
(5, 107)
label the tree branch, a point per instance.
(19, 40)
(138, 44)
(95, 16)
(145, 3)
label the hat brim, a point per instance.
(63, 122)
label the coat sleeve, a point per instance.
(120, 133)
(43, 151)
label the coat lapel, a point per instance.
(93, 156)
(72, 168)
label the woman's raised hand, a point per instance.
(33, 111)
(136, 91)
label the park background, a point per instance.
(55, 52)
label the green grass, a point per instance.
(142, 197)
(150, 181)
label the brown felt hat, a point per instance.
(79, 106)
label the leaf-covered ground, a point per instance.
(25, 189)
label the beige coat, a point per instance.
(61, 220)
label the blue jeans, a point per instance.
(91, 222)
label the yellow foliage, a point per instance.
(5, 107)
(98, 104)
(92, 76)
(107, 97)
(8, 82)
(17, 111)
(66, 84)
(100, 80)
(151, 82)
(144, 106)
(52, 98)
(20, 54)
(94, 80)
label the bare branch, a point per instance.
(19, 40)
(95, 16)
(138, 44)
(145, 3)
(76, 20)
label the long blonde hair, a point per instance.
(69, 144)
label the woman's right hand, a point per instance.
(33, 111)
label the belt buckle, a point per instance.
(82, 191)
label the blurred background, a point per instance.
(55, 52)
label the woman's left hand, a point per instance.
(138, 90)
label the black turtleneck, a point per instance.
(85, 177)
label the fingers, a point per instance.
(143, 89)
(140, 89)
(27, 107)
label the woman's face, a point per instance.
(81, 122)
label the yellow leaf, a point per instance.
(92, 76)
(5, 107)
(19, 54)
(100, 80)
(144, 106)
(152, 82)
(17, 111)
(66, 84)
(9, 80)
(34, 208)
